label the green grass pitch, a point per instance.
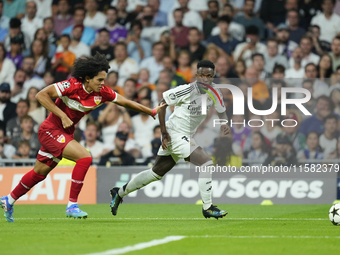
(247, 229)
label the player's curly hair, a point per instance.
(89, 66)
(205, 63)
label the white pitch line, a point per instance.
(264, 236)
(117, 218)
(140, 246)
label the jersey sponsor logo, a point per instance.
(66, 84)
(97, 99)
(172, 96)
(61, 139)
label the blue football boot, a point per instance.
(8, 209)
(75, 212)
(213, 211)
(116, 200)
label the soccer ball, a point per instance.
(334, 214)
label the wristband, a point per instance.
(154, 112)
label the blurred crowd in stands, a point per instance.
(153, 46)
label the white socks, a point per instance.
(71, 203)
(140, 180)
(11, 200)
(144, 178)
(204, 184)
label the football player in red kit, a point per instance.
(76, 97)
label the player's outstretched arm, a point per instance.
(45, 99)
(129, 104)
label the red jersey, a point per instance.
(75, 101)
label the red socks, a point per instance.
(32, 178)
(27, 182)
(78, 176)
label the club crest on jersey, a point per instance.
(172, 96)
(97, 99)
(66, 84)
(61, 139)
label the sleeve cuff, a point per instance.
(115, 99)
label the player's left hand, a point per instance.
(158, 108)
(66, 122)
(225, 129)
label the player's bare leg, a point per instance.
(200, 158)
(163, 164)
(74, 151)
(28, 181)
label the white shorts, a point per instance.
(180, 147)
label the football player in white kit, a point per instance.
(177, 141)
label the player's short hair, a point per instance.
(26, 117)
(206, 64)
(338, 67)
(331, 117)
(24, 142)
(257, 55)
(89, 66)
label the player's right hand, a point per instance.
(66, 122)
(165, 140)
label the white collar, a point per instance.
(85, 89)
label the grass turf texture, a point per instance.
(289, 229)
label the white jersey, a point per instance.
(187, 116)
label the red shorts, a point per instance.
(53, 143)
